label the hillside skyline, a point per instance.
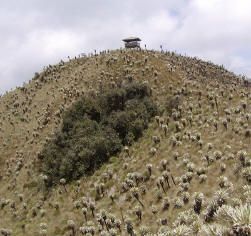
(38, 33)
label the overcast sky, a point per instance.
(35, 33)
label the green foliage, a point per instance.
(94, 130)
(172, 103)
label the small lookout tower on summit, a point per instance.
(132, 42)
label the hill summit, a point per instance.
(127, 142)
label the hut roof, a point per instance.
(130, 39)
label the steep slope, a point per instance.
(204, 149)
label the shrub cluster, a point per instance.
(94, 130)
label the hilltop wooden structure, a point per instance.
(132, 42)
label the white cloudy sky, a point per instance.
(35, 33)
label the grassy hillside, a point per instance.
(189, 174)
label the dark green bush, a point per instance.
(92, 131)
(172, 103)
(113, 100)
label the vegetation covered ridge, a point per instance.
(187, 174)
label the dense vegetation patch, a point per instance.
(94, 130)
